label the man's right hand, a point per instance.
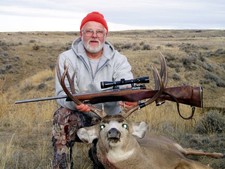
(83, 108)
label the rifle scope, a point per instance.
(106, 84)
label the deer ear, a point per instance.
(139, 129)
(88, 134)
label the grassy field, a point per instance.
(27, 60)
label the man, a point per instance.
(94, 60)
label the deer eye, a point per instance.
(102, 126)
(125, 126)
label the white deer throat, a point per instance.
(116, 155)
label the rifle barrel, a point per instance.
(40, 99)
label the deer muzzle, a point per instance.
(113, 135)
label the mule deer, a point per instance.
(122, 144)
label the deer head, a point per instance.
(111, 129)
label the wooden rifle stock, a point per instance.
(183, 94)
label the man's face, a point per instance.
(93, 35)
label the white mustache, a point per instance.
(93, 40)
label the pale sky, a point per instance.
(66, 15)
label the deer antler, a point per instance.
(70, 93)
(160, 83)
(159, 78)
(163, 71)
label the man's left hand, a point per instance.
(128, 104)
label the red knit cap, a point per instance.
(94, 16)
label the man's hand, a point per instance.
(83, 108)
(128, 104)
(86, 108)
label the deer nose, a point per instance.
(113, 133)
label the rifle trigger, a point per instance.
(86, 101)
(141, 104)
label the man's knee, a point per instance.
(65, 125)
(66, 122)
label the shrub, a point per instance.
(170, 57)
(173, 65)
(176, 77)
(219, 52)
(212, 122)
(211, 76)
(220, 83)
(204, 82)
(189, 62)
(142, 43)
(36, 47)
(117, 46)
(127, 46)
(214, 78)
(177, 69)
(187, 47)
(27, 86)
(41, 86)
(136, 48)
(32, 41)
(207, 66)
(146, 47)
(169, 45)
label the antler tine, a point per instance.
(160, 86)
(98, 112)
(163, 71)
(163, 75)
(156, 76)
(71, 82)
(159, 82)
(62, 82)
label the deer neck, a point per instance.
(121, 152)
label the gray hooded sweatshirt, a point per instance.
(111, 66)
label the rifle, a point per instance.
(186, 94)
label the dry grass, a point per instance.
(26, 71)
